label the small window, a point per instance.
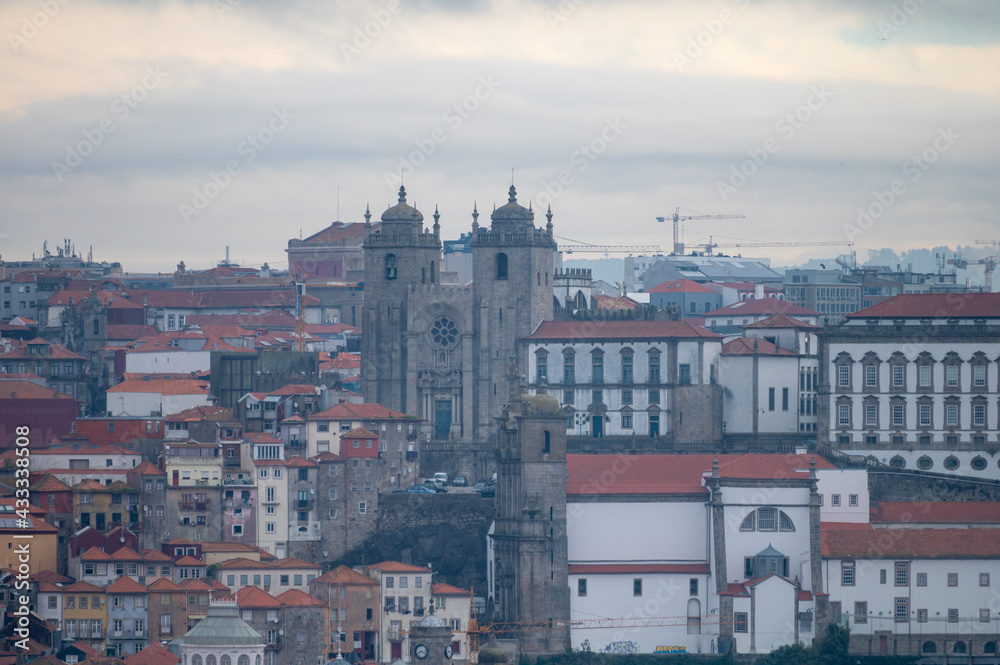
(952, 579)
(740, 622)
(501, 264)
(984, 579)
(581, 587)
(921, 579)
(637, 587)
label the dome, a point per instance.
(222, 626)
(402, 212)
(432, 621)
(545, 405)
(512, 211)
(492, 652)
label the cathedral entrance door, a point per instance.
(442, 418)
(597, 424)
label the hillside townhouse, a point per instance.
(914, 382)
(56, 500)
(62, 369)
(731, 318)
(71, 452)
(185, 351)
(85, 614)
(263, 412)
(213, 553)
(304, 516)
(44, 540)
(153, 500)
(303, 618)
(25, 403)
(630, 378)
(128, 617)
(406, 595)
(263, 612)
(270, 471)
(154, 397)
(354, 612)
(274, 576)
(167, 611)
(194, 489)
(189, 568)
(398, 445)
(198, 594)
(454, 606)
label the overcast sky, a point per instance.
(119, 120)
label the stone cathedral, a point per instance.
(448, 353)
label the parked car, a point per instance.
(489, 491)
(441, 478)
(479, 487)
(421, 489)
(460, 481)
(435, 485)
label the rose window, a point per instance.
(444, 332)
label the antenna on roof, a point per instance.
(338, 203)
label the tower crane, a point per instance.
(988, 263)
(677, 217)
(709, 246)
(611, 249)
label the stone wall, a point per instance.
(475, 461)
(445, 531)
(916, 486)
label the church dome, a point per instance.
(544, 405)
(402, 212)
(432, 621)
(492, 652)
(512, 211)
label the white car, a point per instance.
(441, 479)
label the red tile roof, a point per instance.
(398, 567)
(680, 286)
(242, 562)
(744, 346)
(359, 433)
(348, 411)
(342, 575)
(163, 585)
(627, 330)
(197, 414)
(292, 562)
(913, 543)
(296, 389)
(56, 351)
(162, 386)
(614, 302)
(126, 554)
(189, 562)
(130, 332)
(781, 321)
(156, 556)
(251, 596)
(845, 526)
(443, 589)
(297, 461)
(936, 511)
(83, 587)
(738, 590)
(339, 232)
(95, 554)
(934, 306)
(195, 584)
(767, 306)
(89, 485)
(49, 484)
(625, 568)
(125, 584)
(296, 598)
(675, 474)
(147, 468)
(327, 329)
(28, 390)
(50, 576)
(154, 654)
(279, 319)
(215, 546)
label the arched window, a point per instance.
(767, 519)
(210, 660)
(390, 266)
(501, 266)
(432, 272)
(959, 647)
(990, 647)
(694, 616)
(225, 660)
(97, 327)
(196, 660)
(538, 279)
(929, 647)
(243, 660)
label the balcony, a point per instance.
(303, 504)
(202, 505)
(394, 634)
(185, 505)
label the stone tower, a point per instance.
(529, 538)
(513, 270)
(400, 255)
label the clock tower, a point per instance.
(430, 640)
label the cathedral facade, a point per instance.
(449, 353)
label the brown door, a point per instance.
(397, 651)
(883, 643)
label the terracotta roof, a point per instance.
(936, 511)
(212, 546)
(264, 438)
(630, 330)
(198, 414)
(913, 543)
(296, 598)
(274, 298)
(154, 654)
(131, 332)
(845, 526)
(934, 306)
(615, 302)
(680, 286)
(86, 648)
(744, 346)
(95, 554)
(89, 485)
(295, 460)
(635, 568)
(296, 389)
(50, 576)
(147, 468)
(398, 567)
(162, 386)
(85, 449)
(183, 541)
(83, 587)
(348, 411)
(443, 589)
(781, 321)
(251, 596)
(342, 575)
(126, 554)
(767, 306)
(242, 562)
(738, 590)
(675, 474)
(294, 419)
(156, 556)
(163, 585)
(28, 390)
(188, 561)
(125, 584)
(327, 456)
(56, 351)
(292, 562)
(49, 483)
(275, 319)
(195, 584)
(339, 232)
(49, 587)
(359, 433)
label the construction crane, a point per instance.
(709, 246)
(992, 243)
(989, 264)
(678, 217)
(611, 249)
(300, 314)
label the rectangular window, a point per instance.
(921, 579)
(922, 616)
(852, 499)
(952, 579)
(626, 421)
(685, 375)
(979, 376)
(902, 573)
(844, 376)
(902, 612)
(881, 576)
(597, 397)
(871, 415)
(637, 587)
(871, 376)
(860, 612)
(626, 397)
(770, 399)
(542, 369)
(569, 369)
(979, 415)
(654, 369)
(984, 616)
(951, 376)
(598, 369)
(924, 376)
(984, 579)
(626, 369)
(897, 415)
(898, 376)
(835, 500)
(847, 573)
(951, 415)
(581, 587)
(766, 519)
(654, 396)
(693, 586)
(843, 414)
(740, 622)
(953, 615)
(362, 508)
(784, 399)
(924, 411)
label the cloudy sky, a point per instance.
(164, 131)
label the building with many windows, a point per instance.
(913, 381)
(406, 596)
